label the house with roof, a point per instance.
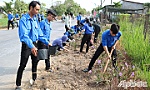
(133, 7)
(127, 7)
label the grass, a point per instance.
(3, 22)
(135, 45)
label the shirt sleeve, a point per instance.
(24, 34)
(119, 35)
(104, 39)
(41, 36)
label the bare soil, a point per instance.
(68, 75)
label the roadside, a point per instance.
(67, 71)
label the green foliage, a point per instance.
(8, 6)
(68, 6)
(135, 45)
(3, 22)
(117, 4)
(148, 6)
(20, 7)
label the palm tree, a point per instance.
(7, 6)
(117, 4)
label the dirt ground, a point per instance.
(67, 71)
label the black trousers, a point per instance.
(10, 22)
(67, 28)
(86, 39)
(97, 54)
(41, 45)
(95, 36)
(25, 53)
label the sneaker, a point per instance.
(86, 70)
(18, 88)
(31, 81)
(49, 70)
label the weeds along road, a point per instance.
(10, 48)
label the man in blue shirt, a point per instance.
(17, 18)
(79, 17)
(110, 39)
(10, 20)
(29, 34)
(46, 29)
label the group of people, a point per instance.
(108, 43)
(14, 19)
(35, 35)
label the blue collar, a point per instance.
(28, 17)
(46, 20)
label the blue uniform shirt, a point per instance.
(76, 29)
(29, 31)
(10, 16)
(46, 28)
(17, 15)
(59, 42)
(79, 17)
(42, 17)
(88, 29)
(108, 40)
(82, 21)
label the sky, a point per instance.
(87, 4)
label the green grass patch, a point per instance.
(135, 45)
(3, 22)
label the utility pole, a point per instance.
(101, 3)
(111, 1)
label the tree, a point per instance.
(20, 6)
(148, 6)
(8, 6)
(43, 9)
(117, 4)
(68, 6)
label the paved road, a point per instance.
(10, 55)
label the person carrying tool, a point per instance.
(110, 39)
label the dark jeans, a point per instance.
(67, 28)
(95, 36)
(86, 39)
(10, 22)
(25, 53)
(41, 45)
(97, 54)
(97, 30)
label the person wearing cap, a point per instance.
(59, 42)
(46, 30)
(29, 34)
